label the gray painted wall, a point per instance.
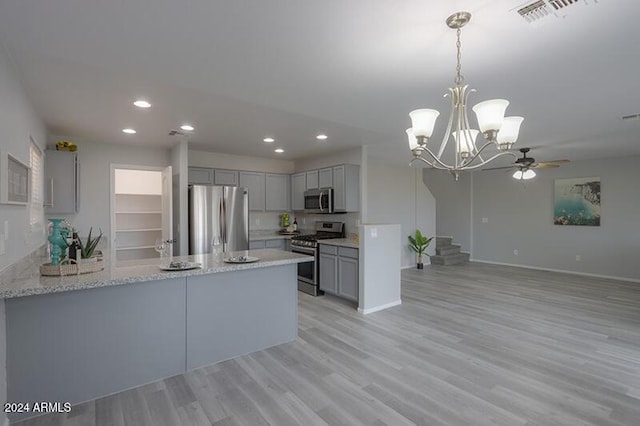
(398, 195)
(453, 207)
(95, 159)
(18, 121)
(520, 216)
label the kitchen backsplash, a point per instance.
(306, 222)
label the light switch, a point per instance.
(485, 220)
(6, 229)
(3, 246)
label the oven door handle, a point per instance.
(303, 250)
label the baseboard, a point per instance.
(379, 308)
(562, 271)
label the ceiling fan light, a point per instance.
(465, 140)
(490, 114)
(524, 175)
(510, 130)
(413, 141)
(423, 121)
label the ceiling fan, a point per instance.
(524, 165)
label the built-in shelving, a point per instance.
(138, 225)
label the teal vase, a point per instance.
(58, 240)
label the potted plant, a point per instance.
(87, 248)
(419, 244)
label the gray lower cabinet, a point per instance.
(278, 243)
(339, 271)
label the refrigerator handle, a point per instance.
(223, 223)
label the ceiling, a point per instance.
(243, 70)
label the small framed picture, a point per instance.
(14, 182)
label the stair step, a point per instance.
(445, 250)
(451, 259)
(443, 241)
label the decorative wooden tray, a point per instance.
(71, 267)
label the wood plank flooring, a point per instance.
(470, 345)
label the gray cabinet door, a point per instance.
(312, 179)
(277, 192)
(225, 177)
(298, 186)
(256, 245)
(61, 182)
(328, 273)
(346, 188)
(348, 278)
(339, 201)
(254, 182)
(276, 244)
(325, 178)
(200, 176)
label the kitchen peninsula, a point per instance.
(75, 338)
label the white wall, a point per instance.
(520, 216)
(95, 160)
(398, 195)
(18, 121)
(453, 211)
(350, 156)
(239, 162)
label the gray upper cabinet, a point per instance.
(277, 192)
(346, 188)
(225, 177)
(200, 176)
(325, 178)
(62, 186)
(312, 179)
(254, 182)
(298, 186)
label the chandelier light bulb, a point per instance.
(490, 114)
(423, 121)
(413, 141)
(466, 141)
(508, 134)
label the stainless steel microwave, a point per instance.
(318, 200)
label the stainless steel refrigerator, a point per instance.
(218, 219)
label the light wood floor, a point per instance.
(470, 345)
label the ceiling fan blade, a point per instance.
(544, 166)
(556, 161)
(500, 168)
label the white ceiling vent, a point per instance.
(536, 11)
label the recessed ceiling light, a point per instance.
(321, 137)
(187, 127)
(128, 131)
(279, 150)
(269, 140)
(142, 104)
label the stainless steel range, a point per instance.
(308, 244)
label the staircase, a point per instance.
(447, 253)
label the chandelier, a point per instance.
(498, 130)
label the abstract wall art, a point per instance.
(577, 202)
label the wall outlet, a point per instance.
(374, 232)
(6, 229)
(304, 221)
(515, 252)
(485, 220)
(257, 222)
(578, 258)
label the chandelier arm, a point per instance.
(435, 166)
(467, 125)
(477, 154)
(447, 133)
(498, 155)
(437, 160)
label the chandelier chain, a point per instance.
(459, 78)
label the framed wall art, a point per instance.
(14, 180)
(577, 202)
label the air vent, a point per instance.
(631, 117)
(536, 11)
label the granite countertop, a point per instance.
(341, 242)
(26, 281)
